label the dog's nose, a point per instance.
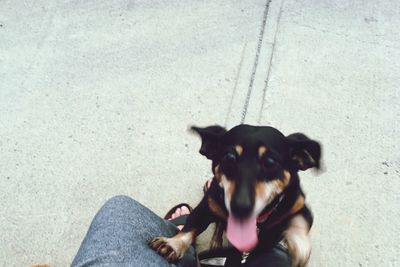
(242, 204)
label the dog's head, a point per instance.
(254, 165)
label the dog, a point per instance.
(255, 192)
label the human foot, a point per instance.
(179, 211)
(177, 214)
(207, 185)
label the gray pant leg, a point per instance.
(119, 235)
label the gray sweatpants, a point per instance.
(119, 235)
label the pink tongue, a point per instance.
(242, 233)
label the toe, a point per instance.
(184, 210)
(176, 214)
(209, 183)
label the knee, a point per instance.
(123, 204)
(116, 205)
(120, 200)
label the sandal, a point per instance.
(181, 220)
(218, 257)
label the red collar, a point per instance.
(264, 216)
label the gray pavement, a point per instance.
(96, 98)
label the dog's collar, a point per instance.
(263, 217)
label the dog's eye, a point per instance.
(228, 165)
(270, 163)
(230, 158)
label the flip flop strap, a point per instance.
(181, 220)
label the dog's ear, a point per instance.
(210, 137)
(304, 152)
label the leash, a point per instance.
(255, 64)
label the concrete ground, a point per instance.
(96, 97)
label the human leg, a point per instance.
(119, 235)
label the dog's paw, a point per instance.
(169, 248)
(299, 248)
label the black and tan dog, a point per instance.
(255, 191)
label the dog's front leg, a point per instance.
(298, 240)
(173, 248)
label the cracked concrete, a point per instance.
(96, 98)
